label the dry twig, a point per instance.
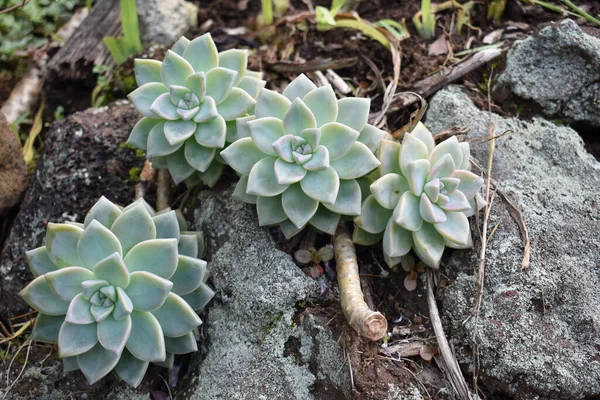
(163, 189)
(9, 9)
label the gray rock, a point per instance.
(558, 69)
(13, 172)
(257, 346)
(165, 21)
(539, 329)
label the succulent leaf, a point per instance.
(200, 297)
(146, 341)
(202, 53)
(325, 220)
(66, 282)
(188, 276)
(144, 96)
(134, 226)
(323, 104)
(338, 139)
(270, 210)
(397, 241)
(299, 207)
(242, 155)
(104, 211)
(131, 369)
(74, 339)
(61, 244)
(39, 262)
(262, 180)
(113, 333)
(271, 104)
(46, 328)
(234, 59)
(146, 71)
(354, 112)
(322, 186)
(181, 345)
(141, 131)
(357, 162)
(176, 317)
(96, 243)
(97, 363)
(299, 88)
(79, 311)
(348, 199)
(40, 297)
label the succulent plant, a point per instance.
(190, 103)
(422, 199)
(118, 291)
(299, 156)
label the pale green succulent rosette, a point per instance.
(300, 156)
(119, 291)
(422, 199)
(190, 102)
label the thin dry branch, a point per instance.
(390, 91)
(163, 189)
(517, 215)
(9, 9)
(365, 321)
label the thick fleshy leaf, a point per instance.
(282, 146)
(97, 243)
(432, 190)
(297, 118)
(235, 59)
(131, 369)
(373, 217)
(143, 202)
(178, 131)
(470, 183)
(211, 133)
(113, 334)
(110, 292)
(181, 345)
(388, 189)
(175, 69)
(338, 139)
(448, 146)
(290, 230)
(242, 155)
(321, 185)
(450, 184)
(430, 212)
(251, 85)
(416, 175)
(177, 92)
(88, 288)
(466, 154)
(139, 134)
(202, 53)
(262, 180)
(312, 137)
(270, 211)
(79, 312)
(178, 166)
(298, 206)
(97, 363)
(457, 201)
(412, 149)
(188, 114)
(357, 162)
(198, 156)
(176, 317)
(188, 245)
(167, 226)
(168, 363)
(287, 173)
(70, 364)
(41, 298)
(207, 111)
(113, 270)
(348, 200)
(146, 341)
(46, 328)
(354, 112)
(455, 229)
(143, 97)
(397, 241)
(301, 158)
(104, 211)
(235, 105)
(158, 256)
(424, 135)
(147, 291)
(100, 313)
(406, 213)
(271, 104)
(39, 262)
(158, 144)
(453, 245)
(319, 160)
(200, 297)
(211, 175)
(76, 339)
(188, 276)
(429, 245)
(163, 107)
(180, 45)
(364, 238)
(325, 220)
(146, 71)
(197, 84)
(219, 82)
(123, 305)
(239, 128)
(66, 282)
(61, 244)
(443, 168)
(323, 104)
(299, 87)
(134, 226)
(371, 136)
(265, 132)
(389, 155)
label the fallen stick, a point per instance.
(312, 66)
(365, 321)
(163, 189)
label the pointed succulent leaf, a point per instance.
(70, 364)
(188, 276)
(168, 363)
(110, 292)
(131, 369)
(266, 133)
(388, 189)
(211, 175)
(416, 175)
(175, 69)
(46, 328)
(432, 190)
(235, 105)
(158, 256)
(298, 206)
(457, 201)
(143, 202)
(188, 245)
(178, 166)
(158, 144)
(146, 71)
(354, 112)
(76, 339)
(373, 217)
(262, 180)
(239, 128)
(180, 45)
(211, 133)
(443, 168)
(88, 288)
(146, 341)
(448, 146)
(453, 245)
(466, 163)
(319, 160)
(301, 158)
(325, 220)
(455, 229)
(66, 282)
(290, 230)
(123, 305)
(312, 137)
(429, 245)
(100, 313)
(424, 135)
(200, 297)
(139, 134)
(198, 156)
(176, 317)
(196, 83)
(177, 92)
(104, 211)
(219, 82)
(282, 146)
(235, 59)
(147, 291)
(79, 312)
(348, 200)
(470, 183)
(113, 270)
(178, 131)
(397, 241)
(364, 238)
(322, 186)
(181, 345)
(338, 139)
(450, 184)
(287, 173)
(41, 298)
(430, 212)
(207, 111)
(270, 210)
(406, 214)
(97, 363)
(389, 155)
(242, 155)
(134, 226)
(323, 104)
(97, 243)
(297, 118)
(271, 104)
(113, 334)
(357, 162)
(299, 87)
(371, 136)
(39, 262)
(163, 107)
(251, 85)
(412, 150)
(166, 225)
(202, 53)
(144, 96)
(61, 244)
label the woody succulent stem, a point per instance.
(365, 321)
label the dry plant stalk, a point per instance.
(365, 321)
(163, 189)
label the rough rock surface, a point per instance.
(82, 160)
(13, 172)
(164, 21)
(558, 69)
(257, 348)
(539, 328)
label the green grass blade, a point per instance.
(130, 25)
(116, 50)
(267, 11)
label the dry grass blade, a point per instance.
(415, 117)
(29, 153)
(390, 91)
(313, 65)
(18, 333)
(517, 215)
(9, 387)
